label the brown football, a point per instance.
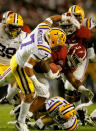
(54, 67)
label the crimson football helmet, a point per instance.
(76, 55)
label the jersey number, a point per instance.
(7, 52)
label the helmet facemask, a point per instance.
(12, 30)
(78, 17)
(68, 28)
(75, 56)
(73, 61)
(14, 24)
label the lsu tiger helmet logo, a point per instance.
(56, 37)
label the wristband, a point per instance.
(63, 17)
(49, 20)
(50, 73)
(28, 65)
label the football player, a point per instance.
(78, 12)
(58, 112)
(80, 71)
(11, 37)
(37, 47)
(76, 36)
(77, 56)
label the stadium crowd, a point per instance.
(34, 12)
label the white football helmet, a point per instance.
(68, 27)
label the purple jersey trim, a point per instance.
(28, 43)
(44, 50)
(44, 46)
(43, 28)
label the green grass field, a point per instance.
(5, 117)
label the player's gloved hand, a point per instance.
(35, 81)
(75, 22)
(40, 88)
(52, 75)
(86, 92)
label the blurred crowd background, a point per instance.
(34, 11)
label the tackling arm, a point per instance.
(29, 67)
(78, 85)
(64, 17)
(53, 19)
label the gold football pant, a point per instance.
(25, 84)
(3, 68)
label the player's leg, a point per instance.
(42, 95)
(3, 90)
(40, 123)
(11, 92)
(26, 85)
(7, 77)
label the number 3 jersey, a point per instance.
(8, 47)
(35, 45)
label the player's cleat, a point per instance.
(4, 100)
(33, 125)
(89, 121)
(21, 126)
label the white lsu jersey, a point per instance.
(34, 45)
(8, 47)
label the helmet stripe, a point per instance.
(14, 18)
(54, 106)
(67, 107)
(73, 9)
(17, 19)
(67, 110)
(88, 23)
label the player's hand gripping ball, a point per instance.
(54, 67)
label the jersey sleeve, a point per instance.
(23, 35)
(44, 52)
(44, 26)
